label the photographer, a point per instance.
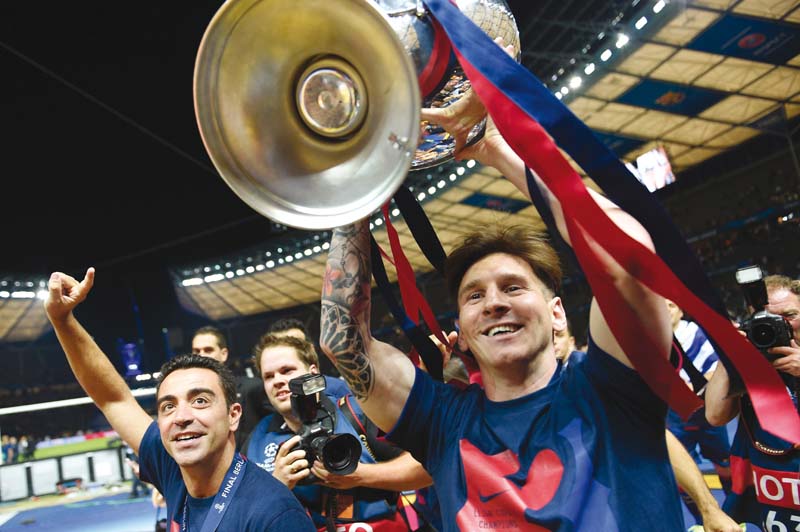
(370, 493)
(765, 468)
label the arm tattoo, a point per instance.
(346, 306)
(342, 340)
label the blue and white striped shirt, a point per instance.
(697, 347)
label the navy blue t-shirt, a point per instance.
(587, 452)
(766, 484)
(261, 502)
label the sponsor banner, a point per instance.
(777, 488)
(671, 97)
(749, 38)
(487, 201)
(54, 442)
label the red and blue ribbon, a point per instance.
(535, 124)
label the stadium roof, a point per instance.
(106, 167)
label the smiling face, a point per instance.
(195, 423)
(506, 315)
(279, 365)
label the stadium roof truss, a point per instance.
(706, 77)
(697, 79)
(716, 74)
(22, 316)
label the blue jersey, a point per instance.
(571, 456)
(766, 482)
(260, 503)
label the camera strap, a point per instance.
(352, 418)
(761, 441)
(681, 360)
(331, 509)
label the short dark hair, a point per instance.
(214, 331)
(304, 349)
(517, 240)
(284, 324)
(189, 361)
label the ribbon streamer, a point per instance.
(415, 304)
(516, 99)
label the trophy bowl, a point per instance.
(310, 109)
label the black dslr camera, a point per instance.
(339, 453)
(763, 329)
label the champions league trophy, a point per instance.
(412, 25)
(310, 109)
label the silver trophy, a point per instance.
(412, 24)
(310, 109)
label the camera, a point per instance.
(763, 329)
(339, 453)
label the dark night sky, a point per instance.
(103, 162)
(101, 152)
(102, 158)
(101, 149)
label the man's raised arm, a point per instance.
(91, 367)
(379, 375)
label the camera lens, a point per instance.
(762, 335)
(341, 454)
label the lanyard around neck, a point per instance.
(222, 500)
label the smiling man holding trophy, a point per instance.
(302, 105)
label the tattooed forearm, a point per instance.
(344, 324)
(342, 340)
(348, 271)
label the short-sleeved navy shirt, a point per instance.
(587, 452)
(260, 503)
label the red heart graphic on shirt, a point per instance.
(495, 501)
